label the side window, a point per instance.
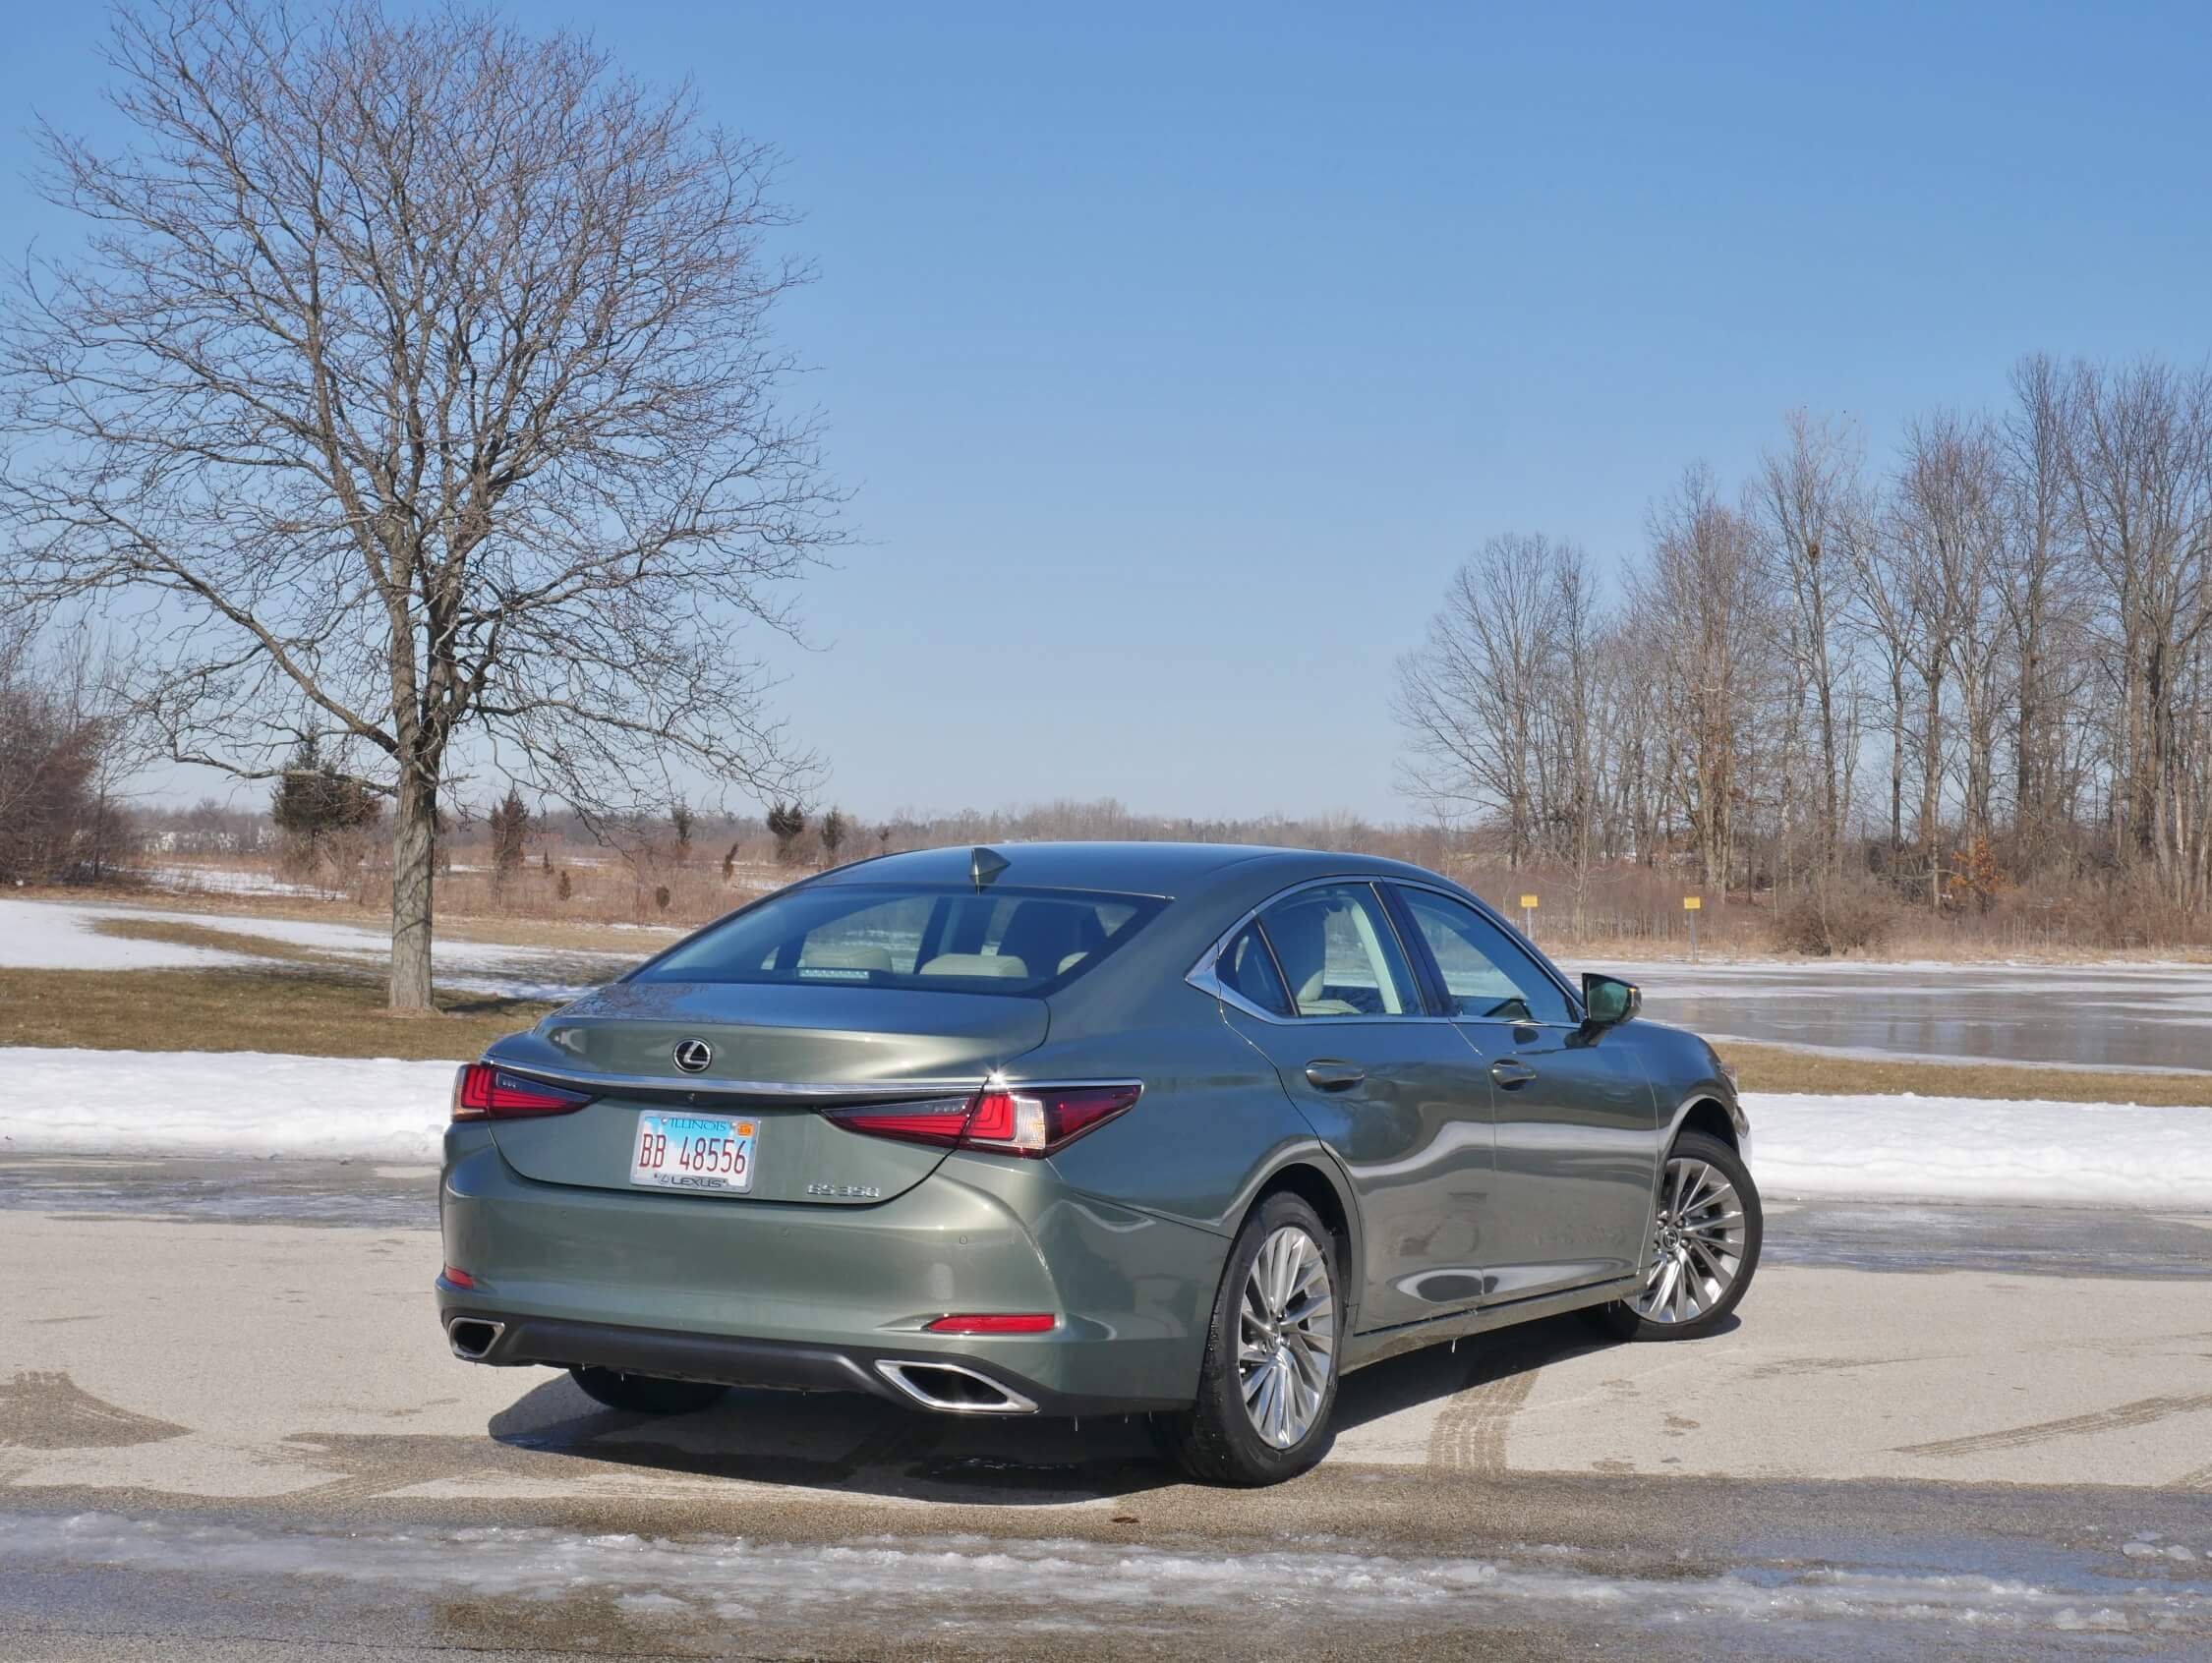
(1247, 968)
(1339, 954)
(1487, 975)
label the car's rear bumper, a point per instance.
(773, 1294)
(949, 1382)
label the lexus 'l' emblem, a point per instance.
(693, 1054)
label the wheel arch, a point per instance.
(1706, 1115)
(1311, 1178)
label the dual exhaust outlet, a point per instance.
(947, 1388)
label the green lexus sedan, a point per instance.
(1077, 1129)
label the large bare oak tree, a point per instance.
(413, 392)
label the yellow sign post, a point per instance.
(1692, 905)
(1527, 916)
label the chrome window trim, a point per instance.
(1206, 979)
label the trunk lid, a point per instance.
(781, 1054)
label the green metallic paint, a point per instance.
(1461, 1215)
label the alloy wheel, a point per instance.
(1286, 1335)
(1697, 1243)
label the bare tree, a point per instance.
(1703, 615)
(2039, 585)
(1473, 699)
(2140, 468)
(414, 389)
(1807, 503)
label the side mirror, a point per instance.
(1608, 1000)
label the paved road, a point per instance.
(226, 1432)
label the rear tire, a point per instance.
(1271, 1354)
(645, 1393)
(1707, 1231)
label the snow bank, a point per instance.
(221, 1103)
(193, 1103)
(2093, 1154)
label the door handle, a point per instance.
(1511, 1072)
(1325, 1074)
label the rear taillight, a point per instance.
(483, 1092)
(1027, 1119)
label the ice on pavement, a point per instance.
(207, 1102)
(1076, 1585)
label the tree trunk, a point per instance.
(414, 856)
(1931, 789)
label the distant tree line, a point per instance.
(1983, 662)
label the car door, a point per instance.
(1322, 985)
(1574, 1118)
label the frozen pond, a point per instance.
(2102, 1015)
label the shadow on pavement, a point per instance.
(859, 1445)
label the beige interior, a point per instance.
(976, 964)
(854, 957)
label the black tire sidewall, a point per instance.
(1229, 1447)
(1702, 1146)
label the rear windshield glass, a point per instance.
(909, 936)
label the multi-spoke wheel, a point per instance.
(1705, 1245)
(1696, 1243)
(1286, 1335)
(1268, 1381)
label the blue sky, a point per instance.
(1175, 359)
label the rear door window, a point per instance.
(1339, 954)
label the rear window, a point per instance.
(998, 940)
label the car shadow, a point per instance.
(848, 1442)
(860, 1445)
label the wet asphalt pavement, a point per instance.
(228, 1431)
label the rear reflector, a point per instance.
(1039, 1322)
(1028, 1120)
(481, 1092)
(459, 1278)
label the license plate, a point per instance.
(706, 1152)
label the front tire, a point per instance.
(1268, 1384)
(1706, 1236)
(645, 1393)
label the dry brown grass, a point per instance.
(1774, 1067)
(207, 935)
(308, 1010)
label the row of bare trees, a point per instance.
(1984, 661)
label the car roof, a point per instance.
(1150, 869)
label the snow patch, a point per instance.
(40, 936)
(1961, 1148)
(222, 1103)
